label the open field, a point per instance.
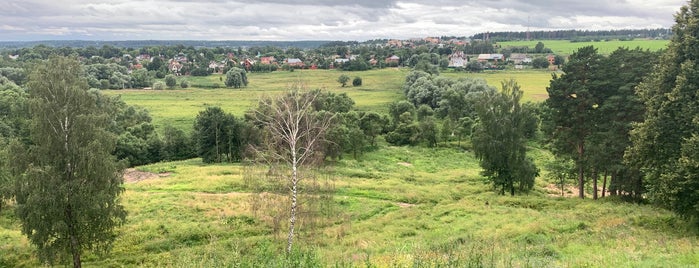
(565, 47)
(179, 107)
(397, 207)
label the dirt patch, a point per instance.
(405, 164)
(555, 190)
(540, 96)
(132, 175)
(405, 205)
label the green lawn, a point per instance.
(565, 47)
(179, 107)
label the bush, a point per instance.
(184, 84)
(357, 81)
(170, 81)
(158, 85)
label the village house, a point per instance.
(520, 58)
(457, 60)
(268, 60)
(393, 59)
(175, 67)
(294, 62)
(491, 57)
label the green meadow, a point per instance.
(392, 207)
(179, 107)
(566, 47)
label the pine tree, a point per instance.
(67, 181)
(665, 143)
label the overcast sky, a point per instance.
(316, 19)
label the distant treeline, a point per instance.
(576, 35)
(145, 43)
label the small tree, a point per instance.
(343, 79)
(293, 136)
(357, 81)
(170, 81)
(499, 140)
(236, 78)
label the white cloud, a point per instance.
(317, 19)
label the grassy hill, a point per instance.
(566, 47)
(395, 207)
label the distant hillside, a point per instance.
(576, 35)
(144, 43)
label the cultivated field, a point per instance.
(565, 47)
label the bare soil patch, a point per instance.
(405, 164)
(132, 175)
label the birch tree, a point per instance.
(67, 181)
(293, 136)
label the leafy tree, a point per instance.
(540, 63)
(665, 144)
(176, 145)
(343, 79)
(293, 134)
(141, 78)
(236, 78)
(372, 124)
(216, 136)
(357, 81)
(170, 81)
(67, 181)
(539, 47)
(499, 140)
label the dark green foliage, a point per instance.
(184, 83)
(499, 140)
(573, 98)
(665, 144)
(16, 75)
(67, 181)
(540, 63)
(331, 102)
(137, 141)
(236, 78)
(217, 136)
(176, 145)
(357, 81)
(141, 78)
(170, 81)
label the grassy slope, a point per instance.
(391, 214)
(397, 206)
(565, 47)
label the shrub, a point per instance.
(357, 81)
(158, 85)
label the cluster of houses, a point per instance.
(459, 59)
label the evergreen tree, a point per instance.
(665, 144)
(572, 103)
(67, 181)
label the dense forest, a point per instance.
(576, 35)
